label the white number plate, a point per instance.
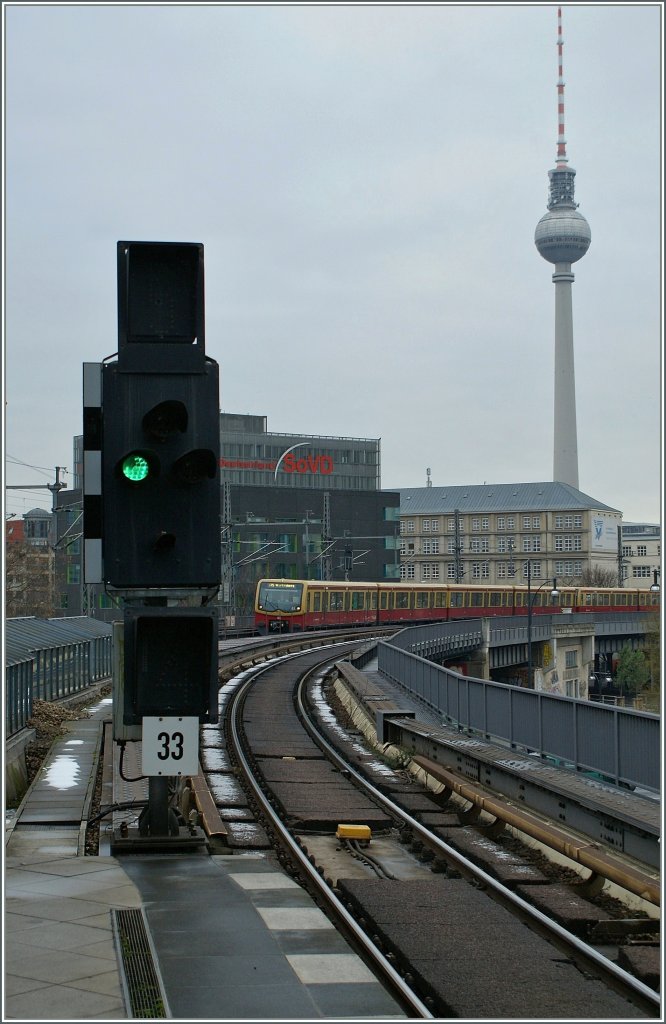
(170, 746)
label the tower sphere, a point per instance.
(562, 235)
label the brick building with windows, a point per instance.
(30, 567)
(487, 533)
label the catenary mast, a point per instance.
(562, 237)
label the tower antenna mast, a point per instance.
(561, 159)
(562, 237)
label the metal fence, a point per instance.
(623, 745)
(48, 659)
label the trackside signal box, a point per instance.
(170, 663)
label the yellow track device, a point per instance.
(362, 832)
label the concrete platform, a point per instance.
(229, 936)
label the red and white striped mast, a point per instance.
(561, 139)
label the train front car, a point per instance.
(279, 606)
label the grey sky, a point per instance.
(366, 181)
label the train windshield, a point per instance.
(280, 596)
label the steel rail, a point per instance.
(582, 851)
(621, 979)
(382, 966)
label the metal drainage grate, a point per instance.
(60, 826)
(142, 985)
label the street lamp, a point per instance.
(655, 588)
(530, 600)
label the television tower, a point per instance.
(562, 237)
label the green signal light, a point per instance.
(135, 468)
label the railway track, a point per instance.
(449, 937)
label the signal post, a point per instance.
(152, 512)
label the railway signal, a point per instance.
(170, 663)
(152, 506)
(160, 444)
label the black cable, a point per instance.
(139, 778)
(126, 805)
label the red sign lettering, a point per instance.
(308, 464)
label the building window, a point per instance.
(425, 525)
(480, 570)
(531, 543)
(434, 525)
(452, 525)
(430, 546)
(641, 550)
(571, 659)
(451, 570)
(641, 571)
(74, 572)
(476, 524)
(569, 542)
(568, 568)
(407, 572)
(430, 571)
(531, 522)
(410, 526)
(36, 528)
(568, 522)
(535, 570)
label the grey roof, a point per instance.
(497, 498)
(28, 634)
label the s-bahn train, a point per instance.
(291, 606)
